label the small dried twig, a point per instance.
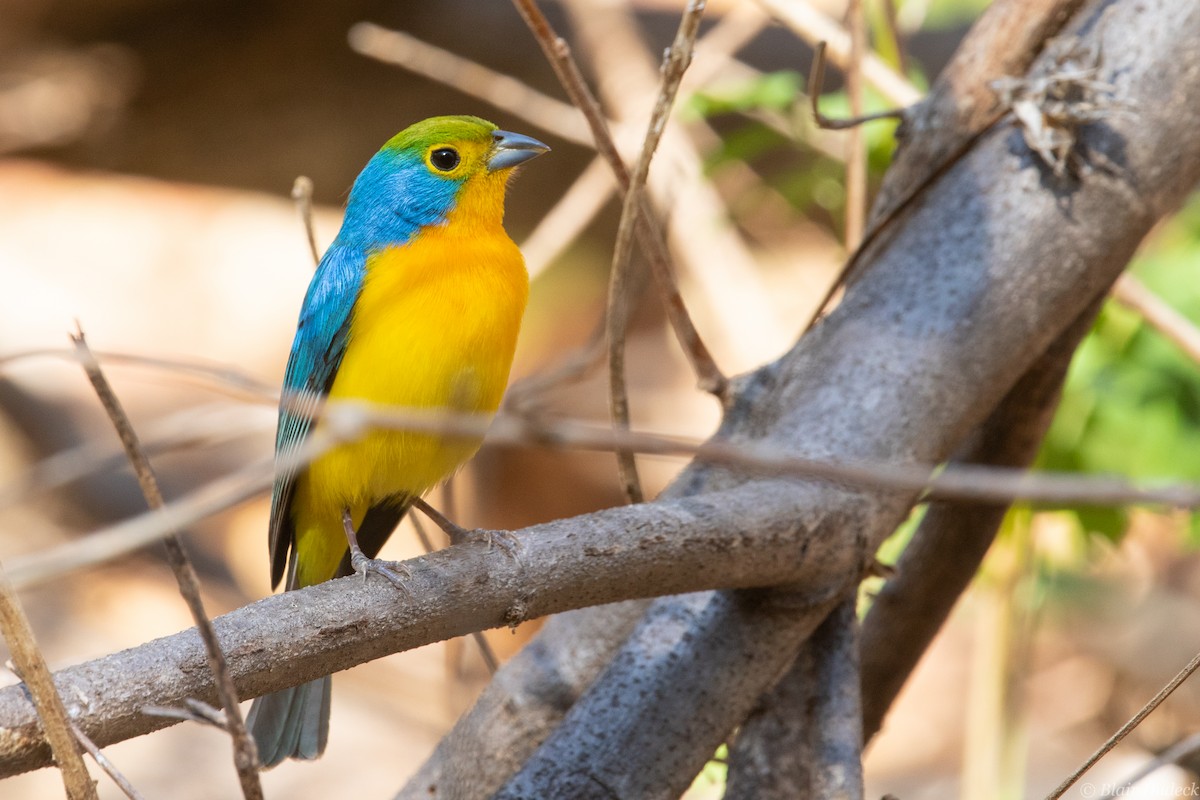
(231, 381)
(191, 428)
(813, 26)
(106, 764)
(444, 66)
(245, 754)
(1172, 755)
(346, 421)
(30, 666)
(193, 711)
(302, 193)
(709, 376)
(1127, 728)
(676, 62)
(1132, 293)
(816, 85)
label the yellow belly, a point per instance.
(435, 327)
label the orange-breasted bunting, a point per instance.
(417, 303)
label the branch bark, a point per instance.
(290, 638)
(985, 273)
(952, 540)
(805, 740)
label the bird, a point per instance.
(416, 303)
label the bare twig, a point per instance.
(676, 62)
(106, 764)
(813, 26)
(347, 421)
(192, 710)
(245, 756)
(1127, 728)
(229, 380)
(816, 85)
(32, 670)
(1132, 293)
(1172, 755)
(444, 66)
(958, 111)
(302, 193)
(709, 376)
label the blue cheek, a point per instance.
(393, 198)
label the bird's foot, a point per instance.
(505, 540)
(460, 535)
(395, 571)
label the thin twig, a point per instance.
(444, 66)
(347, 421)
(724, 274)
(231, 381)
(524, 395)
(675, 63)
(31, 668)
(1127, 728)
(302, 193)
(816, 85)
(180, 431)
(193, 710)
(709, 376)
(106, 764)
(1172, 755)
(813, 26)
(1132, 293)
(245, 756)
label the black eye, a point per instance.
(444, 158)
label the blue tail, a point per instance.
(292, 723)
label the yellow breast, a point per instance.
(435, 326)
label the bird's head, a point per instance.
(437, 169)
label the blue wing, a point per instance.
(316, 355)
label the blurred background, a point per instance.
(147, 152)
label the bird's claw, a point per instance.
(395, 571)
(504, 540)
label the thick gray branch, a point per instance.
(805, 740)
(951, 541)
(730, 538)
(986, 271)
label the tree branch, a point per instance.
(949, 312)
(806, 738)
(730, 538)
(952, 540)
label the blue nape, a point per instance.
(393, 197)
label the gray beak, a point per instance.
(511, 149)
